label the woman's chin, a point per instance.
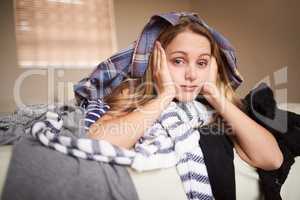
(186, 97)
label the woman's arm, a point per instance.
(254, 144)
(124, 131)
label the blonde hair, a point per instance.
(132, 93)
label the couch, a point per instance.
(166, 184)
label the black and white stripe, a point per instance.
(191, 166)
(94, 110)
(172, 140)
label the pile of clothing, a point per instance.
(181, 136)
(173, 140)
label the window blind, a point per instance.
(64, 33)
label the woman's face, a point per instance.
(188, 57)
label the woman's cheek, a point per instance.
(203, 76)
(172, 70)
(176, 74)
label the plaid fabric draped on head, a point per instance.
(133, 61)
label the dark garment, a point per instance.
(37, 172)
(260, 105)
(218, 155)
(285, 126)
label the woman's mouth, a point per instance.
(188, 88)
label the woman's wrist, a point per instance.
(166, 95)
(164, 99)
(218, 102)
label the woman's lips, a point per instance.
(188, 88)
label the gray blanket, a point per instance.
(37, 172)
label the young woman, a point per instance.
(186, 61)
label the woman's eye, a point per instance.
(203, 63)
(178, 61)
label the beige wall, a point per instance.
(266, 37)
(263, 32)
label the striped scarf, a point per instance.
(173, 140)
(191, 166)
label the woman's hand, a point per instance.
(209, 88)
(255, 144)
(164, 83)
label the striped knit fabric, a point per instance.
(95, 109)
(173, 140)
(191, 166)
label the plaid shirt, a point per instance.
(133, 61)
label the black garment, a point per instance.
(218, 155)
(285, 126)
(260, 105)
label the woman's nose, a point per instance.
(190, 73)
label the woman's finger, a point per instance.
(154, 60)
(158, 60)
(163, 56)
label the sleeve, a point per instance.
(155, 140)
(94, 110)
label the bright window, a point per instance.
(64, 33)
